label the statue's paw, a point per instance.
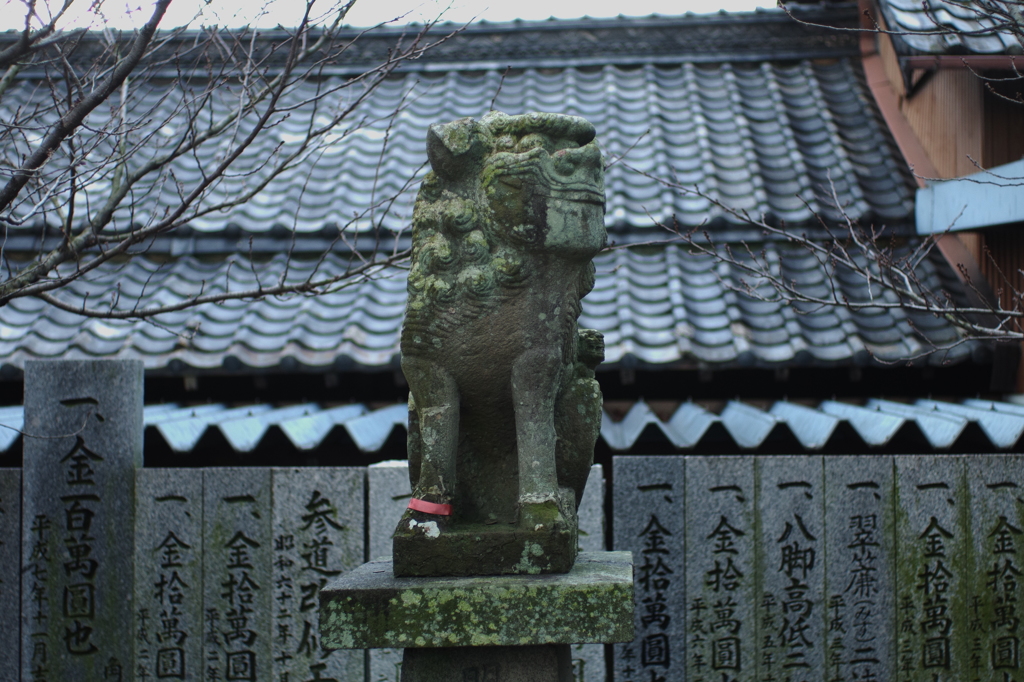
(541, 514)
(422, 523)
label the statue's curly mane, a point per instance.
(464, 262)
(457, 252)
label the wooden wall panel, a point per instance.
(947, 114)
(1003, 121)
(1004, 263)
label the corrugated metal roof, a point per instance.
(948, 27)
(744, 426)
(656, 307)
(876, 423)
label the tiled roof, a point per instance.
(949, 27)
(764, 137)
(766, 34)
(656, 307)
(690, 426)
(766, 131)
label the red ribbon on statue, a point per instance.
(430, 507)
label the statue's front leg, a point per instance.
(535, 380)
(436, 398)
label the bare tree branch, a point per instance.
(891, 271)
(116, 163)
(76, 115)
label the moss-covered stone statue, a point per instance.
(504, 409)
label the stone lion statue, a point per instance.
(504, 409)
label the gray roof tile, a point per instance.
(947, 27)
(753, 135)
(655, 307)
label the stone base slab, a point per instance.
(370, 608)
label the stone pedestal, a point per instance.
(482, 628)
(421, 548)
(543, 663)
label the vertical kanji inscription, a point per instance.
(934, 569)
(83, 445)
(859, 563)
(317, 535)
(790, 500)
(237, 582)
(648, 521)
(720, 597)
(169, 575)
(996, 595)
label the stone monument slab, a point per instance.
(389, 493)
(860, 568)
(318, 534)
(791, 565)
(238, 587)
(588, 663)
(721, 578)
(995, 580)
(168, 630)
(934, 567)
(648, 498)
(83, 444)
(591, 512)
(370, 607)
(10, 569)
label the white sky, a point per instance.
(127, 13)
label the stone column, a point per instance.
(389, 493)
(83, 444)
(994, 485)
(791, 604)
(588, 659)
(860, 568)
(933, 580)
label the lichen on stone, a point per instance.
(505, 227)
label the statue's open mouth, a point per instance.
(578, 192)
(580, 187)
(587, 195)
